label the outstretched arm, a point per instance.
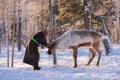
(45, 42)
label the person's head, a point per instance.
(45, 31)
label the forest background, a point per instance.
(20, 19)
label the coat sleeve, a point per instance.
(41, 39)
(45, 42)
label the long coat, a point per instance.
(32, 54)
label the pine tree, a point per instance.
(70, 11)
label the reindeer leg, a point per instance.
(93, 55)
(75, 52)
(97, 48)
(99, 56)
(54, 58)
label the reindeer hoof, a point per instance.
(97, 65)
(86, 64)
(75, 66)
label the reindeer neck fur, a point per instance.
(76, 38)
(63, 41)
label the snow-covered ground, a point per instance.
(109, 68)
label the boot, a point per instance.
(37, 68)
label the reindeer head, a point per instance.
(52, 48)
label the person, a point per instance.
(32, 54)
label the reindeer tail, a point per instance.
(107, 44)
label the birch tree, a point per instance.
(13, 40)
(19, 26)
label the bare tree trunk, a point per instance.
(19, 26)
(3, 23)
(7, 45)
(51, 21)
(25, 20)
(42, 17)
(19, 34)
(86, 20)
(12, 61)
(6, 30)
(0, 37)
(106, 40)
(38, 23)
(55, 10)
(13, 40)
(24, 43)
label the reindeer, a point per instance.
(78, 38)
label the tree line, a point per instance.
(20, 19)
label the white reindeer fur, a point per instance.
(76, 37)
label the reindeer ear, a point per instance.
(50, 43)
(53, 40)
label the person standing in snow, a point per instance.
(32, 54)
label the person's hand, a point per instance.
(42, 47)
(48, 45)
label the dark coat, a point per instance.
(32, 54)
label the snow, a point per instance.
(109, 68)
